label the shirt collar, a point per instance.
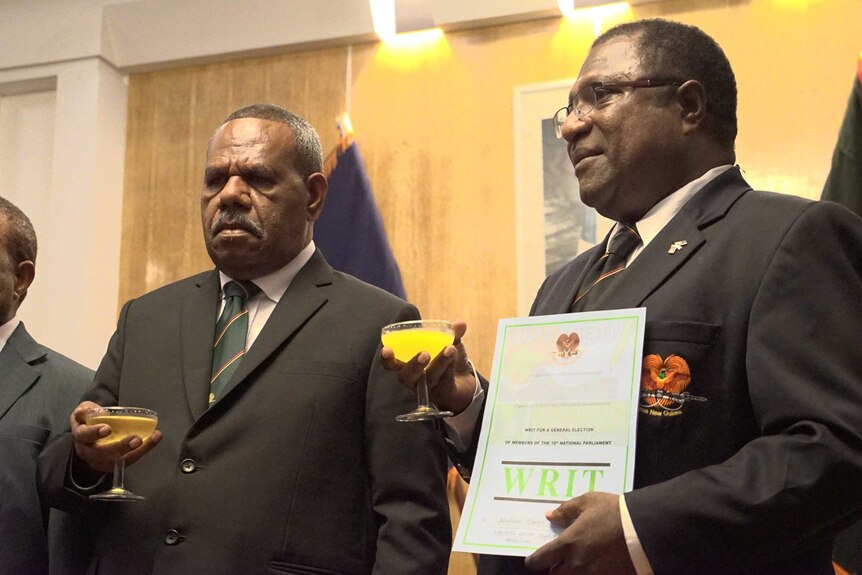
(6, 330)
(663, 212)
(275, 284)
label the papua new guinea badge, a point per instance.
(567, 348)
(663, 385)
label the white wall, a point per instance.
(27, 152)
(64, 152)
(26, 160)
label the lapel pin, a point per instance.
(676, 246)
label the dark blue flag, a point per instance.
(350, 231)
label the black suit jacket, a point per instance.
(38, 390)
(300, 468)
(761, 305)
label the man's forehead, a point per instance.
(248, 138)
(248, 126)
(244, 131)
(615, 59)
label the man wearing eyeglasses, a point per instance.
(749, 297)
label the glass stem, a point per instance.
(422, 393)
(119, 471)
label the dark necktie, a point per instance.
(231, 331)
(609, 265)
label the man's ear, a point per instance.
(24, 274)
(691, 96)
(317, 187)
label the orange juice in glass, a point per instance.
(409, 338)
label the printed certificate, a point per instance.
(560, 421)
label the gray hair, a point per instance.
(309, 156)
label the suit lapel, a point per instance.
(656, 263)
(16, 364)
(301, 301)
(197, 326)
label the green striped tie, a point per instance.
(231, 331)
(620, 247)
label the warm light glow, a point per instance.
(413, 50)
(784, 182)
(600, 16)
(415, 39)
(386, 26)
(383, 16)
(344, 125)
(797, 5)
(574, 8)
(576, 34)
(567, 7)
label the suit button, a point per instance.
(172, 537)
(188, 465)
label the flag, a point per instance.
(844, 183)
(350, 230)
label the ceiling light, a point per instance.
(392, 17)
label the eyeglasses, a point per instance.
(590, 96)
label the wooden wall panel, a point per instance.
(435, 129)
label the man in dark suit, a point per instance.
(749, 439)
(295, 463)
(38, 389)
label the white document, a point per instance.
(560, 421)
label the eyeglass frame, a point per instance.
(559, 120)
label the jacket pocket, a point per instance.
(685, 331)
(687, 339)
(20, 445)
(345, 371)
(23, 432)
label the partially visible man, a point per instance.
(38, 388)
(752, 297)
(282, 456)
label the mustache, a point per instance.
(235, 219)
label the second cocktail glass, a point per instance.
(408, 338)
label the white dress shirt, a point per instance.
(6, 330)
(272, 287)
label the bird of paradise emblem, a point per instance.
(664, 382)
(567, 344)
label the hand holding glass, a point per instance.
(407, 339)
(124, 422)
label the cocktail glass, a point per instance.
(407, 339)
(124, 421)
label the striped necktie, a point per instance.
(620, 247)
(231, 331)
